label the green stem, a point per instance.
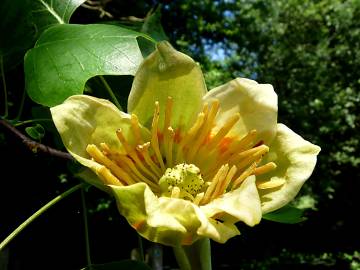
(86, 228)
(181, 258)
(32, 121)
(21, 105)
(194, 257)
(110, 91)
(141, 248)
(6, 109)
(22, 226)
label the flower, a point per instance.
(185, 163)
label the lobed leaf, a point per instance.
(66, 56)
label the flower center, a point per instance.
(182, 181)
(197, 164)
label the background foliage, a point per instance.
(308, 50)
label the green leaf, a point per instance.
(17, 34)
(126, 264)
(22, 21)
(66, 56)
(152, 26)
(287, 214)
(36, 132)
(47, 13)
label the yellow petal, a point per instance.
(295, 159)
(167, 73)
(256, 104)
(241, 204)
(168, 221)
(82, 120)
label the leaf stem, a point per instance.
(6, 108)
(32, 121)
(86, 228)
(23, 225)
(147, 37)
(110, 91)
(21, 105)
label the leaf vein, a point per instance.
(52, 11)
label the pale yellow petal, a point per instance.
(82, 120)
(256, 103)
(167, 73)
(241, 204)
(168, 221)
(295, 159)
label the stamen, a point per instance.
(131, 152)
(136, 129)
(241, 145)
(208, 150)
(256, 151)
(245, 174)
(205, 108)
(154, 136)
(167, 120)
(270, 184)
(188, 136)
(170, 134)
(192, 149)
(99, 157)
(230, 122)
(144, 150)
(108, 177)
(221, 174)
(130, 164)
(168, 110)
(224, 157)
(207, 126)
(128, 148)
(222, 186)
(263, 149)
(105, 148)
(115, 156)
(265, 168)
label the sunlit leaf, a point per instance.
(152, 26)
(66, 56)
(22, 21)
(50, 12)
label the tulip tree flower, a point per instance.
(186, 164)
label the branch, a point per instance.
(35, 146)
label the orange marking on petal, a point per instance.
(138, 225)
(140, 156)
(207, 139)
(160, 136)
(177, 137)
(224, 144)
(187, 240)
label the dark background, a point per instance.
(308, 50)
